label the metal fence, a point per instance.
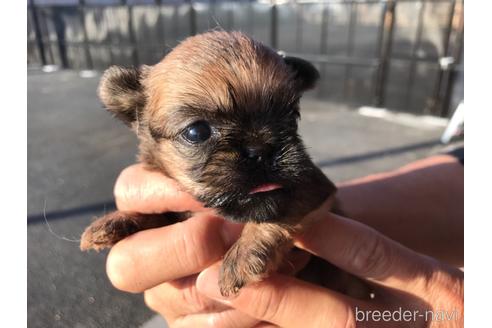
(401, 54)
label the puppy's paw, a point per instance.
(242, 265)
(107, 231)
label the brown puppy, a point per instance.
(219, 115)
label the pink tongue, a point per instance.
(265, 187)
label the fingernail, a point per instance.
(207, 283)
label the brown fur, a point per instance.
(260, 250)
(249, 95)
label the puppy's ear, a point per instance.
(306, 74)
(122, 92)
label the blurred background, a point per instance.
(391, 80)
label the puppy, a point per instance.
(219, 115)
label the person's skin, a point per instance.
(419, 205)
(176, 266)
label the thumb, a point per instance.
(284, 301)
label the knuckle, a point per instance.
(190, 297)
(120, 268)
(197, 248)
(186, 248)
(372, 257)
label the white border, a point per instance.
(478, 169)
(14, 180)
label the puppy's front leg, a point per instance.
(113, 227)
(258, 251)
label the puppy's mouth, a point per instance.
(259, 202)
(266, 187)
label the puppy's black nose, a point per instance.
(255, 153)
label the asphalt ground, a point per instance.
(75, 152)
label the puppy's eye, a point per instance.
(197, 132)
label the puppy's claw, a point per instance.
(229, 287)
(240, 267)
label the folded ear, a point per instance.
(122, 92)
(306, 74)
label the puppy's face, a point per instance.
(219, 114)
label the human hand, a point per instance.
(406, 283)
(164, 263)
(419, 205)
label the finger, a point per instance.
(181, 304)
(152, 257)
(230, 318)
(141, 190)
(180, 298)
(362, 251)
(284, 301)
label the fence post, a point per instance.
(37, 32)
(131, 33)
(299, 25)
(160, 24)
(250, 17)
(323, 42)
(87, 53)
(274, 25)
(434, 104)
(192, 18)
(384, 52)
(413, 62)
(458, 45)
(347, 87)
